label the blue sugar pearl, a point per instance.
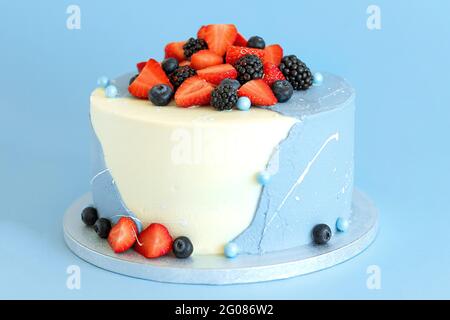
(318, 79)
(111, 91)
(231, 250)
(342, 224)
(103, 82)
(243, 104)
(263, 178)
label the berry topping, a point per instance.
(235, 53)
(272, 73)
(180, 74)
(89, 216)
(141, 65)
(259, 93)
(216, 74)
(160, 95)
(219, 37)
(234, 83)
(123, 235)
(185, 63)
(321, 234)
(282, 89)
(182, 247)
(194, 45)
(102, 227)
(240, 41)
(201, 32)
(224, 97)
(273, 54)
(249, 67)
(296, 72)
(194, 92)
(205, 58)
(151, 75)
(256, 42)
(169, 65)
(175, 50)
(155, 241)
(132, 79)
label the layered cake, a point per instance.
(227, 146)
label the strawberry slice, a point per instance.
(216, 74)
(175, 50)
(194, 91)
(234, 53)
(123, 235)
(240, 41)
(184, 63)
(155, 241)
(151, 75)
(272, 73)
(141, 65)
(273, 54)
(204, 59)
(258, 92)
(219, 37)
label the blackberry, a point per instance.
(193, 45)
(180, 74)
(296, 72)
(249, 67)
(224, 97)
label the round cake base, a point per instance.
(217, 270)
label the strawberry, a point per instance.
(216, 74)
(175, 50)
(184, 63)
(234, 53)
(205, 58)
(201, 32)
(273, 54)
(218, 37)
(151, 75)
(141, 65)
(155, 241)
(123, 235)
(194, 91)
(240, 41)
(272, 73)
(258, 92)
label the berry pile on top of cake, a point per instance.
(222, 69)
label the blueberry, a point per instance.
(102, 227)
(234, 83)
(169, 65)
(321, 234)
(132, 79)
(182, 247)
(89, 216)
(256, 42)
(160, 95)
(283, 90)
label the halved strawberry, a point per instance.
(272, 73)
(218, 37)
(141, 65)
(194, 91)
(204, 59)
(155, 241)
(175, 50)
(240, 41)
(273, 54)
(184, 63)
(151, 75)
(234, 53)
(123, 235)
(216, 74)
(258, 92)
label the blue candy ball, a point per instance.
(342, 224)
(103, 82)
(263, 178)
(243, 104)
(231, 250)
(111, 91)
(317, 79)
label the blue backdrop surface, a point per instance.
(402, 152)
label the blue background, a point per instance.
(402, 151)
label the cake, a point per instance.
(227, 147)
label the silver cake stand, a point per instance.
(216, 270)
